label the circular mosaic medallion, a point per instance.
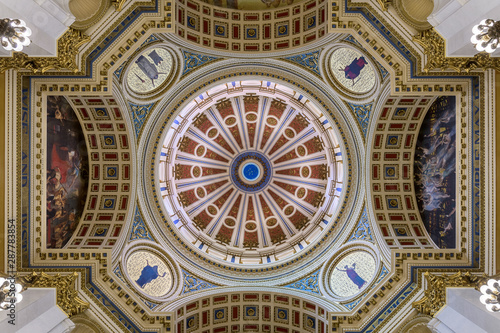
(250, 172)
(149, 273)
(352, 273)
(352, 70)
(149, 70)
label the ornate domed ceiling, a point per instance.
(254, 169)
(199, 167)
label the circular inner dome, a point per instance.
(248, 172)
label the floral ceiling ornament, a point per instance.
(435, 294)
(486, 35)
(66, 290)
(14, 34)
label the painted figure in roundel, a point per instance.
(149, 69)
(148, 274)
(352, 71)
(351, 273)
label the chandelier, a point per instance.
(10, 293)
(14, 34)
(491, 295)
(486, 35)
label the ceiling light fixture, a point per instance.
(491, 295)
(486, 35)
(14, 34)
(10, 293)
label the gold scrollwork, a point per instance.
(384, 4)
(67, 50)
(434, 50)
(67, 295)
(435, 294)
(118, 4)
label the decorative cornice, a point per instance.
(435, 294)
(67, 295)
(67, 50)
(435, 52)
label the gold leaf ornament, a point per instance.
(67, 50)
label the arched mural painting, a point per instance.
(435, 159)
(67, 171)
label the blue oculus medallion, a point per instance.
(251, 171)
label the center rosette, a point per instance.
(251, 171)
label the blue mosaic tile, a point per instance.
(193, 60)
(308, 60)
(193, 283)
(139, 229)
(139, 115)
(309, 284)
(363, 230)
(362, 113)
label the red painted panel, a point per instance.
(310, 5)
(267, 31)
(118, 114)
(123, 137)
(124, 202)
(83, 231)
(110, 156)
(126, 170)
(84, 113)
(409, 204)
(375, 171)
(110, 188)
(204, 317)
(117, 231)
(397, 126)
(384, 112)
(220, 14)
(93, 202)
(206, 24)
(192, 38)
(396, 217)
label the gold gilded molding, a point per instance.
(67, 295)
(118, 4)
(435, 294)
(67, 50)
(384, 4)
(434, 50)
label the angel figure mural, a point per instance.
(351, 273)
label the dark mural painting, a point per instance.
(435, 160)
(67, 171)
